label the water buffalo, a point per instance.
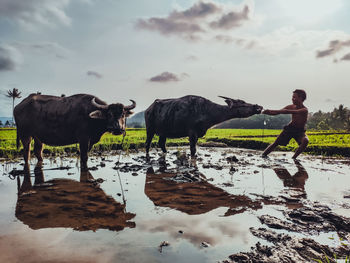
(58, 121)
(191, 116)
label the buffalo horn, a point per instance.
(226, 98)
(99, 106)
(130, 107)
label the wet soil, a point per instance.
(285, 249)
(226, 205)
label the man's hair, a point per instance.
(301, 93)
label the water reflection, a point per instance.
(293, 181)
(295, 185)
(187, 190)
(68, 203)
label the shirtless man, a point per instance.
(296, 128)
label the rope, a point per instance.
(263, 131)
(120, 152)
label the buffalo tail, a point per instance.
(17, 139)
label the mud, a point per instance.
(223, 202)
(311, 220)
(285, 249)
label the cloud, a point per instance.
(346, 57)
(51, 48)
(168, 77)
(244, 43)
(192, 58)
(285, 41)
(168, 27)
(334, 47)
(231, 20)
(198, 10)
(330, 100)
(94, 74)
(200, 19)
(10, 58)
(29, 13)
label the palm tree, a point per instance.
(14, 94)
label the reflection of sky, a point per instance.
(326, 182)
(209, 227)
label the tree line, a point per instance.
(337, 119)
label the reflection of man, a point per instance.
(297, 180)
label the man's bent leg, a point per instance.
(269, 149)
(302, 147)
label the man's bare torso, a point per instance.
(298, 119)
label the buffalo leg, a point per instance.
(150, 135)
(38, 149)
(193, 142)
(26, 149)
(84, 148)
(161, 143)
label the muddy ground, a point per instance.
(225, 205)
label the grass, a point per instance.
(328, 143)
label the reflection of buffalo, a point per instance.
(193, 197)
(67, 203)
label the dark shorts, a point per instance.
(290, 132)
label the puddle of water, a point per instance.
(203, 208)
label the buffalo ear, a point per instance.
(229, 103)
(128, 113)
(97, 114)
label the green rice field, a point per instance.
(321, 142)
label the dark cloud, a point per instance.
(165, 77)
(8, 58)
(189, 23)
(94, 74)
(346, 57)
(231, 20)
(168, 26)
(334, 47)
(199, 10)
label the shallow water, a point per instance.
(203, 207)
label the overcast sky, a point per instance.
(258, 51)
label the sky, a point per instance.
(255, 50)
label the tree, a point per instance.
(7, 123)
(14, 94)
(1, 123)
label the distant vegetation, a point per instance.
(338, 119)
(137, 120)
(321, 142)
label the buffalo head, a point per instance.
(242, 109)
(114, 114)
